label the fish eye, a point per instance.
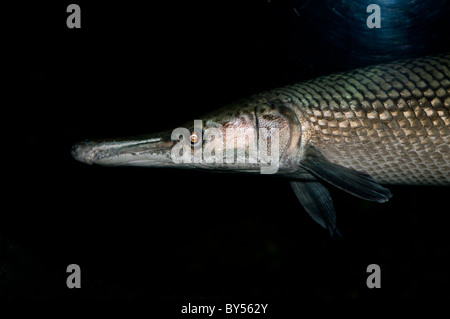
(195, 138)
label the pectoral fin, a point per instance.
(354, 182)
(317, 201)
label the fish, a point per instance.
(358, 130)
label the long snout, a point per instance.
(153, 151)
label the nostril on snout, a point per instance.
(74, 151)
(80, 152)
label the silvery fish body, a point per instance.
(384, 124)
(391, 121)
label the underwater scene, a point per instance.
(230, 157)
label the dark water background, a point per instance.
(137, 68)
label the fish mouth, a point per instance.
(150, 150)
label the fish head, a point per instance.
(251, 136)
(260, 134)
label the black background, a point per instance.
(137, 68)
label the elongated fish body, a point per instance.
(384, 124)
(391, 121)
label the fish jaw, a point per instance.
(152, 150)
(237, 138)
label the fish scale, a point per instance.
(391, 120)
(384, 124)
